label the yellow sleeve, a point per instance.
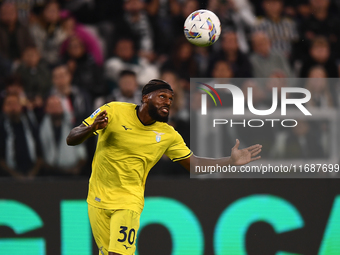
(178, 150)
(89, 120)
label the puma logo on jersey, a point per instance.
(158, 136)
(101, 250)
(126, 128)
(126, 247)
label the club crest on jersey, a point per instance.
(95, 113)
(158, 136)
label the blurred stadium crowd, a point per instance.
(60, 60)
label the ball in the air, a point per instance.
(202, 28)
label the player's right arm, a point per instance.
(82, 132)
(238, 157)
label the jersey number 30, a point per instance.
(130, 237)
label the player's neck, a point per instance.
(144, 116)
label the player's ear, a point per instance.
(145, 99)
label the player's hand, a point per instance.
(100, 122)
(244, 156)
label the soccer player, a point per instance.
(132, 138)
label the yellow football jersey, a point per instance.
(126, 151)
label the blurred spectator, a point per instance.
(34, 74)
(126, 59)
(320, 54)
(59, 158)
(136, 24)
(230, 52)
(94, 11)
(186, 8)
(290, 8)
(14, 37)
(321, 23)
(180, 104)
(76, 102)
(33, 106)
(25, 8)
(222, 70)
(48, 34)
(19, 143)
(127, 91)
(182, 60)
(162, 15)
(74, 29)
(264, 135)
(278, 80)
(303, 142)
(280, 30)
(162, 8)
(258, 94)
(5, 69)
(222, 73)
(13, 86)
(179, 116)
(303, 11)
(235, 15)
(100, 17)
(83, 10)
(263, 60)
(317, 84)
(86, 73)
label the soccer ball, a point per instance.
(202, 28)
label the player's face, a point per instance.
(159, 105)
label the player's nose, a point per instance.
(168, 102)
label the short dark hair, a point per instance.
(127, 73)
(61, 65)
(13, 79)
(125, 38)
(155, 84)
(10, 95)
(320, 41)
(272, 1)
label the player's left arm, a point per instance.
(238, 157)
